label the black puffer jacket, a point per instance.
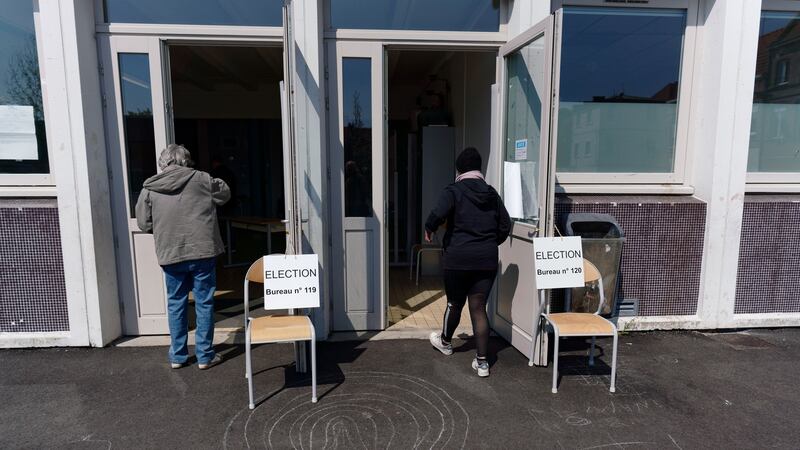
(477, 222)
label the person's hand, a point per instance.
(428, 236)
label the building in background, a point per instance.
(334, 119)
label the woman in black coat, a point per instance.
(477, 222)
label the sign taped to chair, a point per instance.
(558, 262)
(291, 281)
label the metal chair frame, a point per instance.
(590, 273)
(254, 275)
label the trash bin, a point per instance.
(602, 240)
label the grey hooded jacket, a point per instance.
(178, 206)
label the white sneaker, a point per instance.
(481, 367)
(177, 365)
(214, 361)
(436, 342)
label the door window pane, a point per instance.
(137, 114)
(23, 144)
(526, 85)
(775, 125)
(357, 108)
(435, 15)
(267, 13)
(618, 99)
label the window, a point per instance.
(266, 13)
(357, 106)
(775, 123)
(434, 15)
(526, 88)
(23, 144)
(618, 97)
(137, 110)
(783, 72)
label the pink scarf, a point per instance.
(471, 175)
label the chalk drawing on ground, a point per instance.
(368, 410)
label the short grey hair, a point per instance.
(175, 154)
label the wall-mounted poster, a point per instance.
(17, 133)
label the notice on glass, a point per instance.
(512, 189)
(519, 189)
(558, 262)
(521, 150)
(291, 281)
(17, 133)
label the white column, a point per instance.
(310, 141)
(719, 139)
(524, 14)
(76, 142)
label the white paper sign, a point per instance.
(291, 281)
(18, 133)
(512, 189)
(521, 150)
(558, 262)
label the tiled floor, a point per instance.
(417, 307)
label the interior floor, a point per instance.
(416, 307)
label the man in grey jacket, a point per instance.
(178, 206)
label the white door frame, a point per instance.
(374, 317)
(517, 251)
(127, 235)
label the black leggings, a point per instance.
(475, 285)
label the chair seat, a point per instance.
(580, 324)
(280, 328)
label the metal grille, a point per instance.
(663, 252)
(33, 295)
(768, 268)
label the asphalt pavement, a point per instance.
(678, 390)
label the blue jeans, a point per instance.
(199, 276)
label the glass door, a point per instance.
(136, 129)
(525, 156)
(357, 141)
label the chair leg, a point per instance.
(614, 364)
(249, 365)
(313, 370)
(591, 351)
(411, 264)
(555, 360)
(419, 263)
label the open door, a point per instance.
(136, 130)
(524, 157)
(357, 142)
(292, 218)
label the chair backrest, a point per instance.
(255, 273)
(590, 272)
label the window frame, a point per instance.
(675, 182)
(773, 182)
(34, 184)
(185, 31)
(495, 37)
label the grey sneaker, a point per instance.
(481, 367)
(436, 342)
(214, 361)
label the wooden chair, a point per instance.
(570, 324)
(274, 329)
